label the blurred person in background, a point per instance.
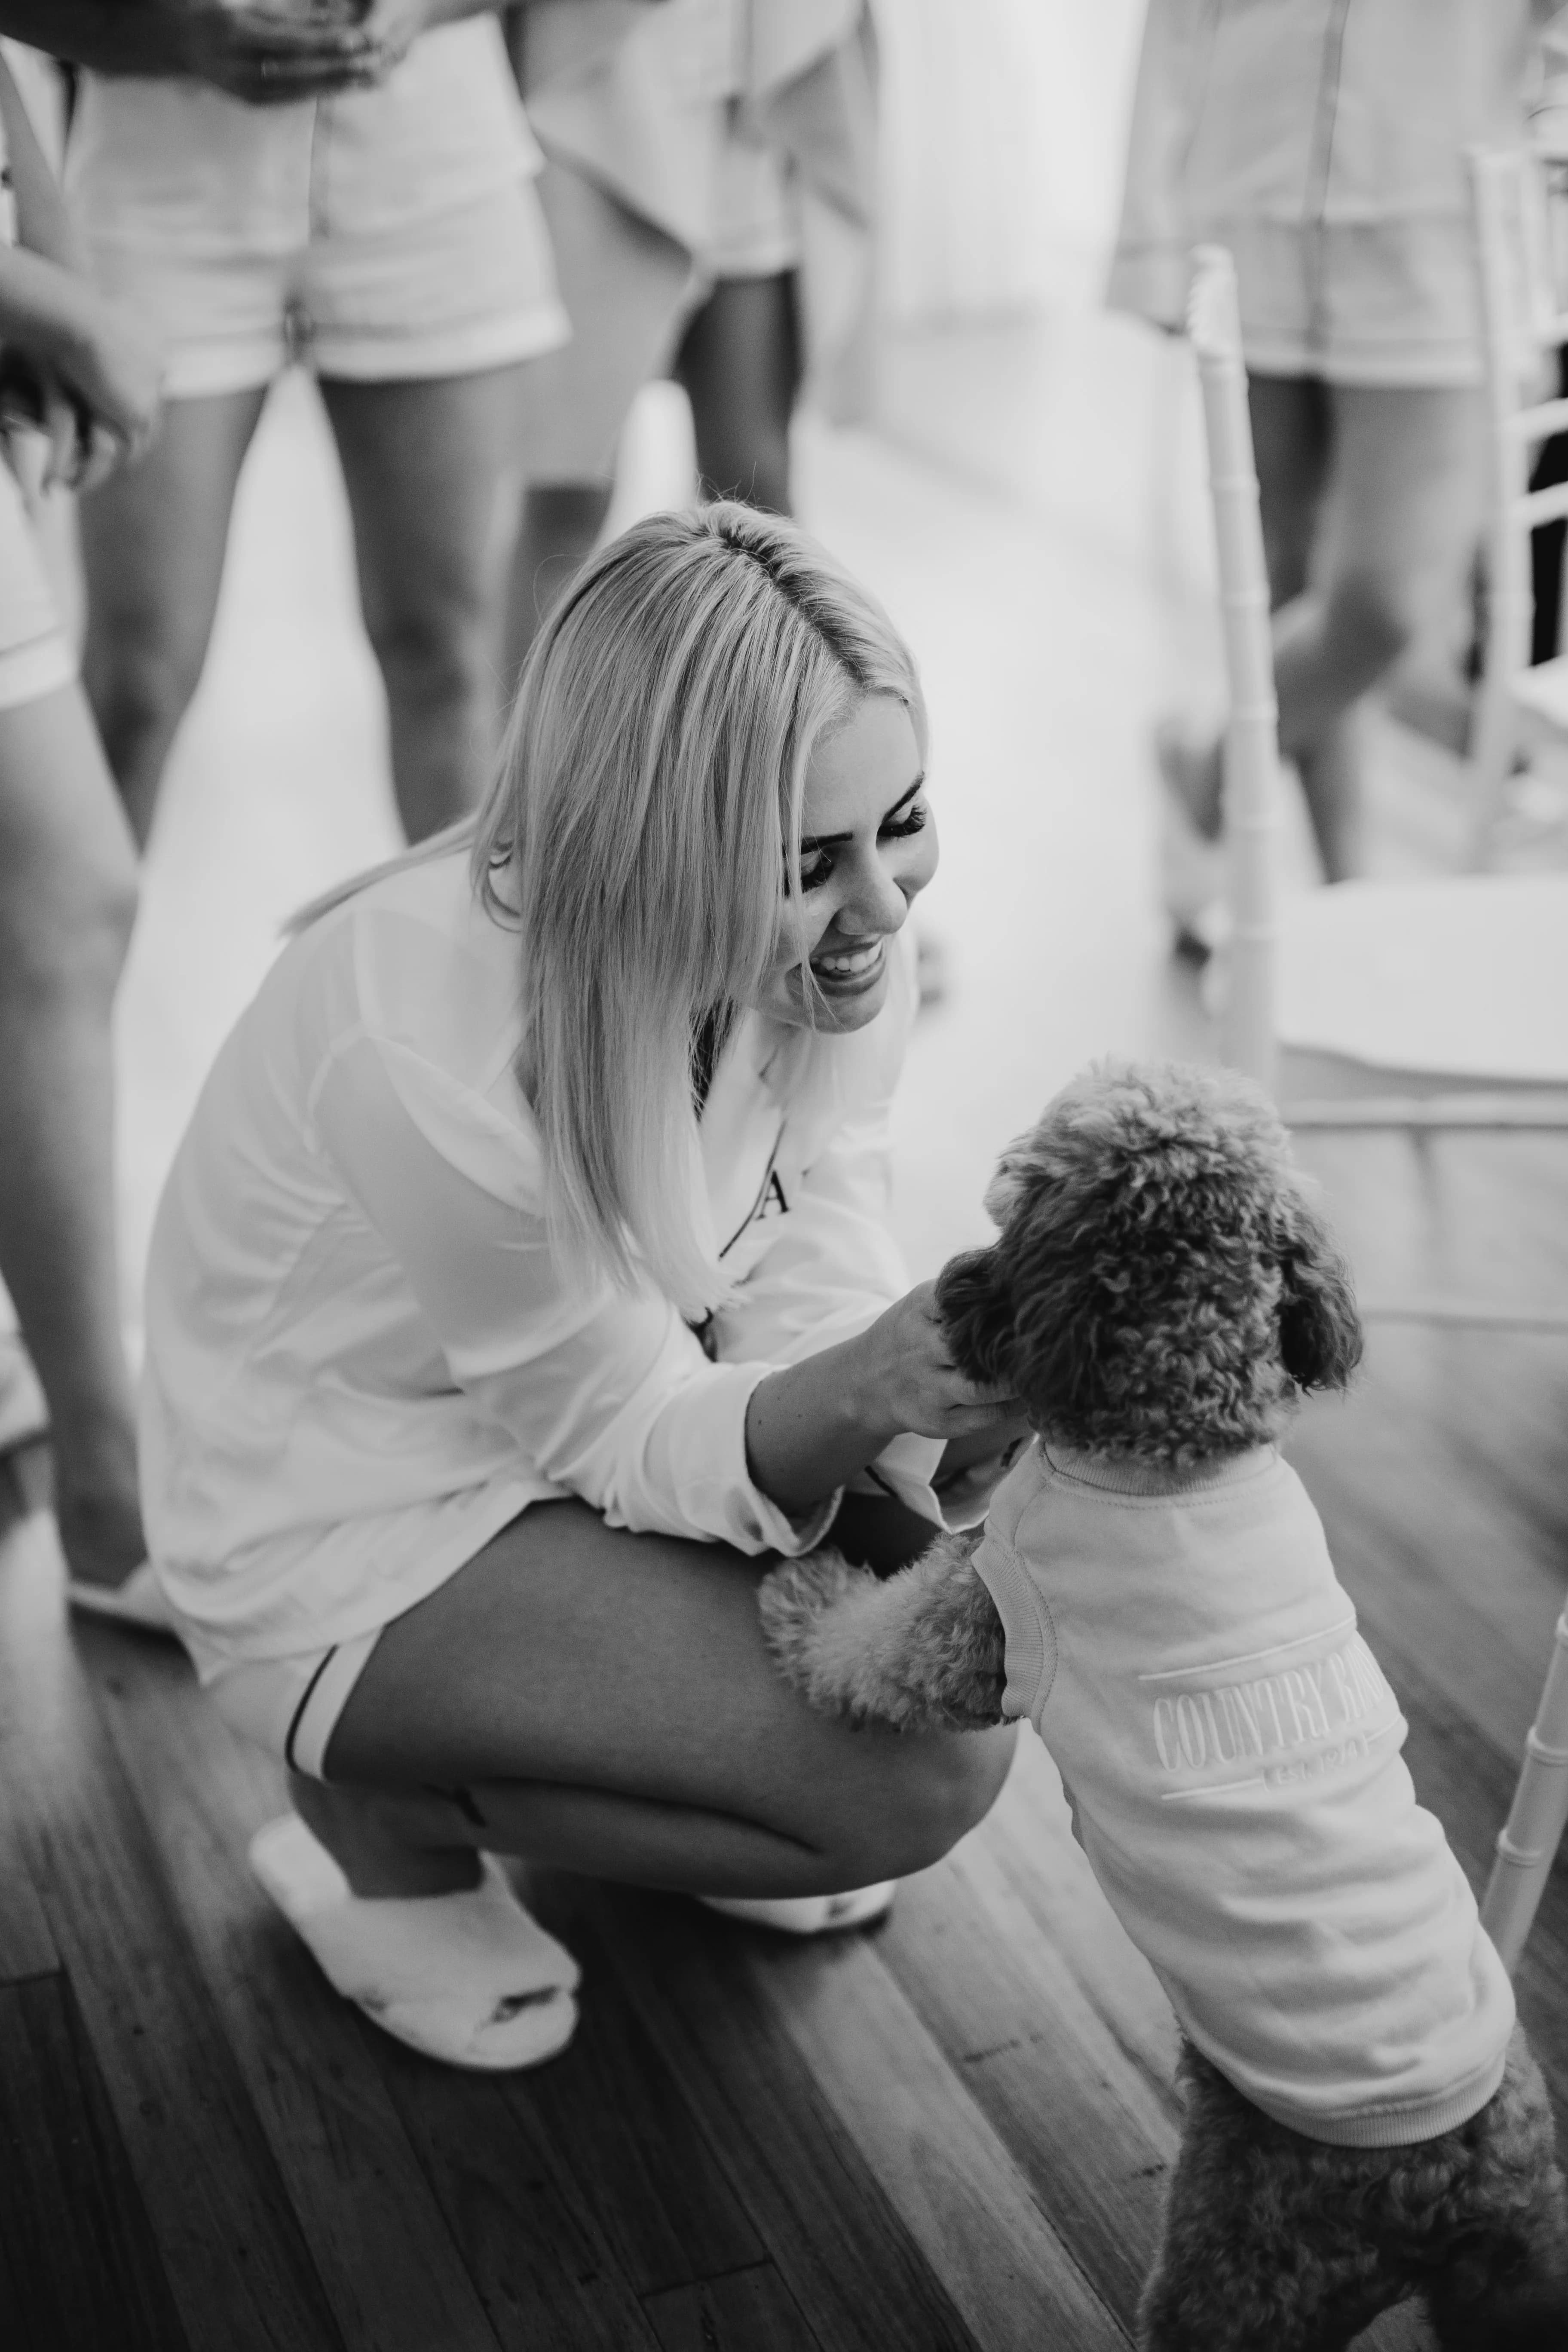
(79, 398)
(709, 187)
(1322, 142)
(350, 187)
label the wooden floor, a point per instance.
(947, 2134)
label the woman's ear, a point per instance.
(1320, 1330)
(974, 1301)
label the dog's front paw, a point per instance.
(793, 1599)
(920, 1650)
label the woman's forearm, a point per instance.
(43, 223)
(110, 37)
(811, 1426)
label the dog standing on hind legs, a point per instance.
(1364, 2120)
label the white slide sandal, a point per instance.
(808, 1914)
(138, 1602)
(468, 1978)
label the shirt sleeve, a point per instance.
(607, 1394)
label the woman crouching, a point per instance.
(522, 1284)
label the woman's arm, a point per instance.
(811, 1426)
(76, 366)
(43, 223)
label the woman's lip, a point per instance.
(848, 981)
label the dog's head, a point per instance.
(1160, 1289)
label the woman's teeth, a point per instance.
(848, 965)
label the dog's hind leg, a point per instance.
(1245, 2260)
(1504, 2229)
(921, 1650)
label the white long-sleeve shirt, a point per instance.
(1232, 1752)
(362, 1357)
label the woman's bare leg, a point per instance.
(623, 283)
(1403, 515)
(1370, 502)
(434, 472)
(604, 1702)
(740, 365)
(154, 539)
(68, 897)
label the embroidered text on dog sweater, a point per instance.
(1232, 1751)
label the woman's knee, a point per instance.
(140, 682)
(1376, 615)
(435, 655)
(939, 1790)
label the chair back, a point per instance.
(1523, 324)
(1251, 743)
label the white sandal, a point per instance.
(138, 1602)
(808, 1914)
(468, 1978)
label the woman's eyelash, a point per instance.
(812, 879)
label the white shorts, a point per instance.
(756, 212)
(35, 658)
(290, 1706)
(382, 234)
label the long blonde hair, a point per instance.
(643, 827)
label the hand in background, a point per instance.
(89, 381)
(267, 57)
(391, 27)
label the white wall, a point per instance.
(1004, 126)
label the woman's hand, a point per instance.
(812, 1426)
(392, 27)
(77, 367)
(265, 58)
(909, 1368)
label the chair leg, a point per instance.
(1493, 746)
(1527, 1842)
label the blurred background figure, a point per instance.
(78, 397)
(355, 193)
(711, 190)
(1327, 150)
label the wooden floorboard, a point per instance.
(219, 2214)
(66, 2188)
(746, 2311)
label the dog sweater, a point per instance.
(1231, 1751)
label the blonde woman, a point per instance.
(522, 1283)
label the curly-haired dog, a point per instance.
(1363, 2119)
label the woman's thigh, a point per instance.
(1407, 497)
(433, 468)
(580, 1655)
(154, 538)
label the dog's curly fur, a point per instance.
(1161, 1291)
(1162, 1287)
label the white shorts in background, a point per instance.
(35, 658)
(289, 1706)
(381, 236)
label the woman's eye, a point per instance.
(815, 872)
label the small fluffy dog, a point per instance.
(1364, 2121)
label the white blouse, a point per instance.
(362, 1357)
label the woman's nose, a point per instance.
(875, 902)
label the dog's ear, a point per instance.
(975, 1301)
(1320, 1330)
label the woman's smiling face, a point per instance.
(867, 844)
